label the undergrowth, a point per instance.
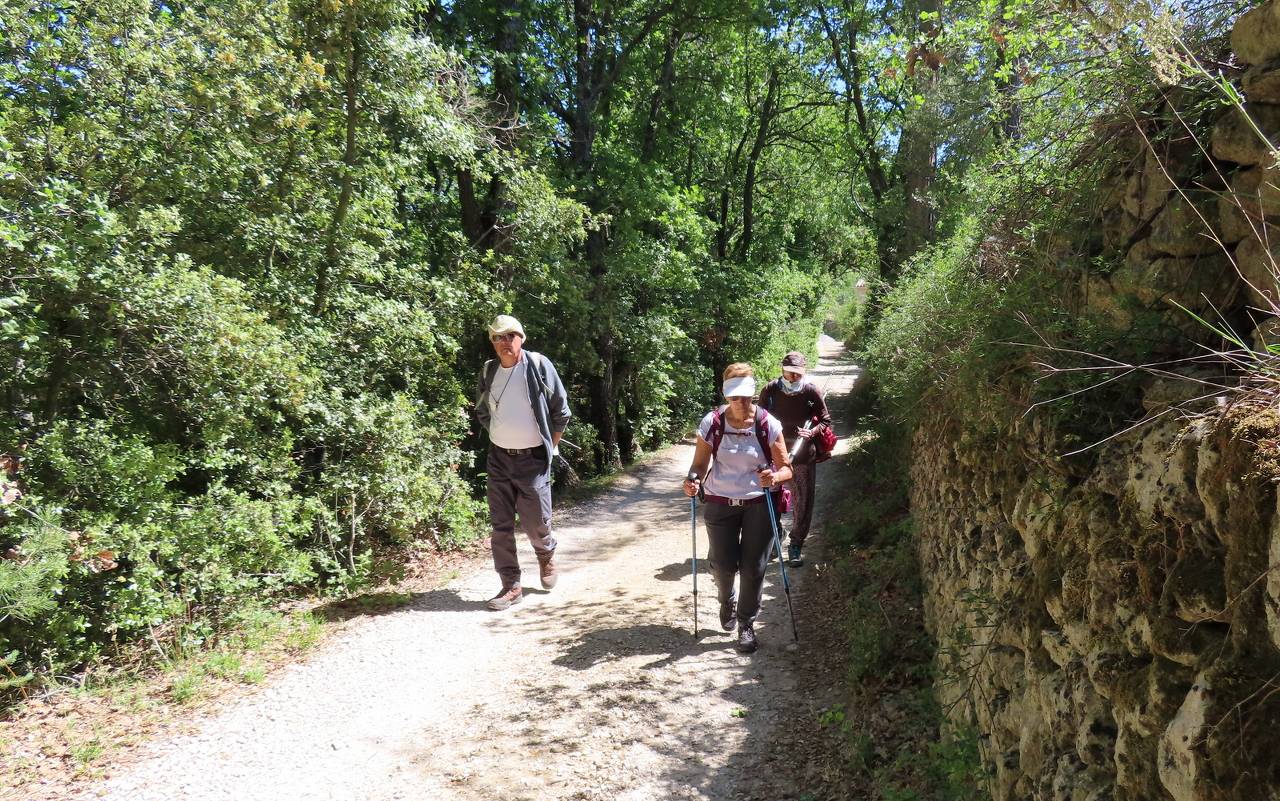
(896, 738)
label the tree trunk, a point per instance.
(767, 112)
(666, 77)
(483, 214)
(918, 155)
(346, 178)
(472, 215)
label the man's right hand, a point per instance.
(690, 487)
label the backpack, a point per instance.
(825, 440)
(824, 443)
(760, 426)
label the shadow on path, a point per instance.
(606, 645)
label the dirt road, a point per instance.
(596, 690)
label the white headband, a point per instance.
(739, 386)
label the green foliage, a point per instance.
(233, 309)
(247, 251)
(936, 321)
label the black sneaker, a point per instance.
(728, 615)
(746, 640)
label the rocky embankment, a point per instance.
(1112, 624)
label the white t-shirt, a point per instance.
(511, 422)
(733, 471)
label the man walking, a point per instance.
(524, 407)
(795, 401)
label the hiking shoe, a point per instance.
(794, 559)
(746, 643)
(728, 615)
(547, 570)
(505, 599)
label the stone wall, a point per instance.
(1112, 624)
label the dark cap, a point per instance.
(794, 359)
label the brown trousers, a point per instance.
(803, 486)
(518, 485)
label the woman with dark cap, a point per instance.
(795, 402)
(750, 459)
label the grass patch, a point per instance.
(184, 686)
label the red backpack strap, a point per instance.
(716, 432)
(762, 432)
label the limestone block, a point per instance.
(1235, 139)
(1271, 598)
(1033, 732)
(1074, 781)
(1143, 703)
(1105, 666)
(1182, 766)
(1256, 192)
(1053, 698)
(1187, 644)
(1095, 738)
(1007, 667)
(1112, 471)
(1244, 211)
(1105, 586)
(1036, 514)
(1007, 775)
(1162, 469)
(1256, 35)
(1193, 282)
(1259, 267)
(1137, 637)
(1197, 589)
(1118, 225)
(1148, 188)
(1059, 649)
(1215, 492)
(1184, 229)
(1135, 762)
(1261, 85)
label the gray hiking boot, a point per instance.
(746, 643)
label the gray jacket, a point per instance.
(547, 396)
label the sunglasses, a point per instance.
(503, 337)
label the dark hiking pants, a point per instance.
(518, 485)
(740, 538)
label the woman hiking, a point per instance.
(742, 444)
(801, 408)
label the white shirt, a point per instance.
(733, 473)
(512, 424)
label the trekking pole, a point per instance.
(782, 563)
(693, 526)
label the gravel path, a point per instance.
(595, 690)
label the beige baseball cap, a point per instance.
(506, 324)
